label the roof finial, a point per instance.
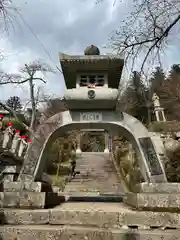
(92, 50)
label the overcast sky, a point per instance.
(62, 26)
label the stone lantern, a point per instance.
(92, 82)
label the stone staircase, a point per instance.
(96, 174)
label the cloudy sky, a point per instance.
(61, 26)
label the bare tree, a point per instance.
(31, 70)
(145, 33)
(28, 75)
(8, 15)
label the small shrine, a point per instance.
(158, 110)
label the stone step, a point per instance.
(102, 215)
(87, 161)
(91, 184)
(42, 232)
(77, 188)
(92, 190)
(87, 188)
(101, 172)
(26, 186)
(85, 181)
(80, 180)
(89, 176)
(93, 197)
(87, 168)
(169, 202)
(91, 187)
(90, 181)
(159, 187)
(92, 153)
(29, 200)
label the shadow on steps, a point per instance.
(96, 198)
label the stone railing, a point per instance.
(12, 141)
(114, 158)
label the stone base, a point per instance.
(159, 187)
(42, 232)
(26, 186)
(169, 202)
(29, 200)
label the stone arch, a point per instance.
(123, 123)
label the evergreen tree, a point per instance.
(136, 97)
(157, 80)
(14, 103)
(175, 69)
(170, 93)
(174, 74)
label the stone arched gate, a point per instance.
(117, 122)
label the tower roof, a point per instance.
(110, 64)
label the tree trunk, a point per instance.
(33, 103)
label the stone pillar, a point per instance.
(1, 121)
(28, 144)
(15, 141)
(163, 115)
(157, 115)
(1, 127)
(106, 138)
(160, 116)
(7, 136)
(78, 139)
(23, 145)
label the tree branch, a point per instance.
(158, 40)
(146, 29)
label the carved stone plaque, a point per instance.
(90, 116)
(151, 156)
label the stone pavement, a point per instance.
(97, 174)
(43, 232)
(88, 221)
